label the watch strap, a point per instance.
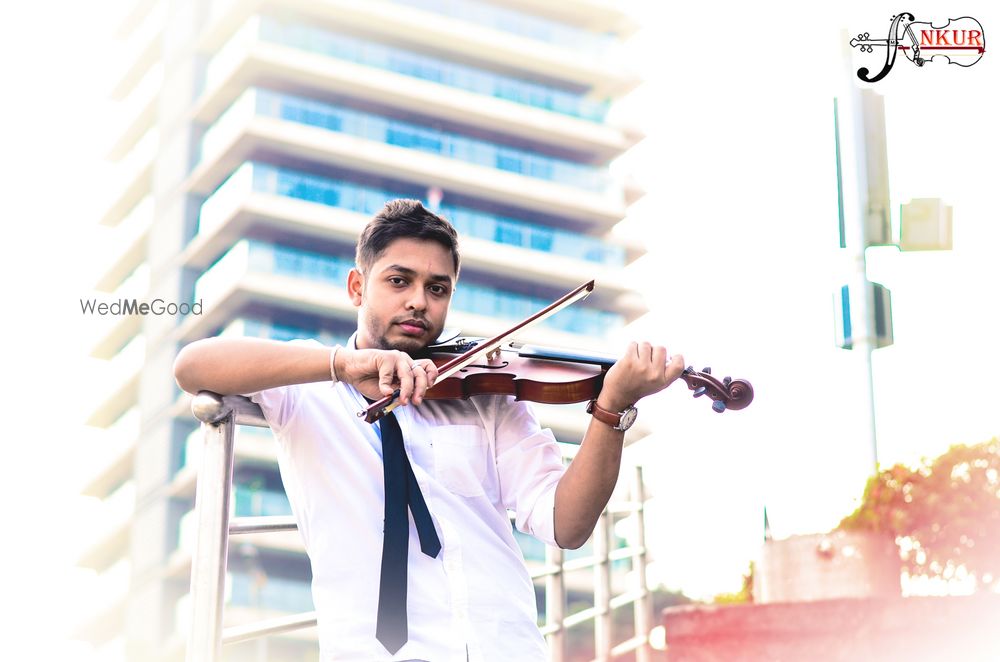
(611, 418)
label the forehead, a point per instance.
(420, 255)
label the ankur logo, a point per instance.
(135, 307)
(960, 41)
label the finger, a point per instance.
(674, 368)
(632, 352)
(431, 370)
(659, 359)
(404, 372)
(386, 376)
(419, 383)
(645, 353)
(646, 360)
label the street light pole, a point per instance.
(864, 308)
(863, 198)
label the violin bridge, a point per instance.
(493, 355)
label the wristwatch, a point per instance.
(620, 421)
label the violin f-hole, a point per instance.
(487, 366)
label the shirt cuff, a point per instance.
(541, 521)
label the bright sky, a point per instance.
(741, 211)
(740, 220)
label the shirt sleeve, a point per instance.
(530, 464)
(279, 403)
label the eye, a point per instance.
(397, 280)
(438, 290)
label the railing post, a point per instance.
(220, 415)
(644, 605)
(208, 564)
(602, 588)
(555, 603)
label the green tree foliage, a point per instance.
(743, 596)
(944, 514)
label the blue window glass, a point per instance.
(437, 70)
(469, 222)
(413, 136)
(471, 297)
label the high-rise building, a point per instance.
(258, 137)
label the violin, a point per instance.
(497, 366)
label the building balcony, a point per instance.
(245, 502)
(255, 447)
(132, 179)
(119, 330)
(330, 65)
(118, 443)
(529, 20)
(105, 616)
(121, 389)
(344, 47)
(252, 597)
(129, 239)
(254, 328)
(412, 135)
(449, 37)
(279, 293)
(136, 113)
(263, 200)
(283, 277)
(119, 397)
(143, 35)
(111, 533)
(250, 127)
(604, 15)
(128, 15)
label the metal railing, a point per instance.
(221, 414)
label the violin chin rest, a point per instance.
(447, 334)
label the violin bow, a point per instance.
(382, 407)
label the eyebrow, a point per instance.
(406, 271)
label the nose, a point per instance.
(417, 299)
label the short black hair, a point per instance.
(404, 219)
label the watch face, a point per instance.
(628, 418)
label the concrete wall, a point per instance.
(826, 566)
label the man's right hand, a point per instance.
(376, 373)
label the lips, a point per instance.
(412, 327)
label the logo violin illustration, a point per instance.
(960, 41)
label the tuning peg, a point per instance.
(726, 381)
(707, 371)
(700, 391)
(718, 406)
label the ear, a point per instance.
(356, 287)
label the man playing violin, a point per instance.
(406, 521)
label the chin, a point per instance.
(409, 343)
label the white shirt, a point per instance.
(473, 459)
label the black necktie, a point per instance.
(400, 489)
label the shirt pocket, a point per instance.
(462, 459)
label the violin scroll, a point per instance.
(729, 393)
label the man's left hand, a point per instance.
(643, 370)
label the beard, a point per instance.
(378, 333)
